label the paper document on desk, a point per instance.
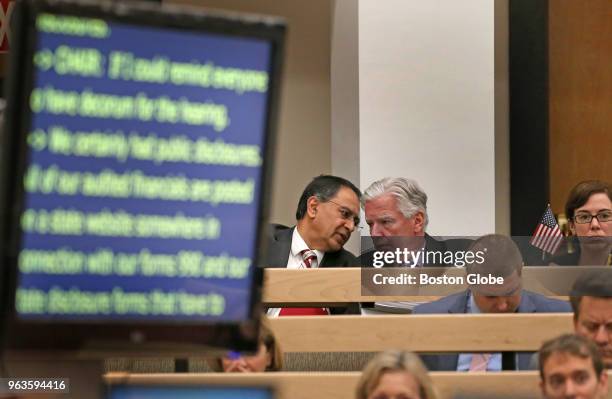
(395, 307)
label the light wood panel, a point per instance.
(580, 94)
(419, 333)
(342, 385)
(334, 286)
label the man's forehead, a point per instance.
(560, 362)
(382, 214)
(385, 205)
(599, 308)
(346, 197)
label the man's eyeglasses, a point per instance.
(347, 214)
(582, 218)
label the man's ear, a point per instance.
(419, 222)
(312, 206)
(542, 387)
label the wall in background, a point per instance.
(427, 105)
(580, 94)
(304, 137)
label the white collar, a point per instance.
(298, 245)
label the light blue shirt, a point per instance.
(463, 363)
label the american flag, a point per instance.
(547, 236)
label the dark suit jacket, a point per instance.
(457, 304)
(431, 245)
(279, 247)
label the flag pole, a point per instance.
(542, 249)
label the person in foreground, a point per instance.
(269, 356)
(327, 214)
(571, 367)
(502, 259)
(395, 375)
(589, 214)
(591, 299)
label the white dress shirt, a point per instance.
(295, 260)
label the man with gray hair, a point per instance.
(396, 213)
(395, 207)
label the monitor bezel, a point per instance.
(142, 382)
(100, 337)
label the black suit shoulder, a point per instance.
(279, 245)
(432, 245)
(341, 258)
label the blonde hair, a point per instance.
(266, 336)
(392, 361)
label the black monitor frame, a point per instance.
(96, 339)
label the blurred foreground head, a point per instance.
(395, 374)
(571, 367)
(591, 299)
(269, 356)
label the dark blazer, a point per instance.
(457, 304)
(431, 245)
(279, 246)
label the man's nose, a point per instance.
(502, 305)
(601, 336)
(376, 230)
(570, 389)
(350, 224)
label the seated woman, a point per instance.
(395, 375)
(269, 357)
(589, 212)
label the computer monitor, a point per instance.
(135, 176)
(188, 392)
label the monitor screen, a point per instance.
(136, 159)
(188, 392)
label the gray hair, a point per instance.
(410, 197)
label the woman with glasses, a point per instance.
(589, 212)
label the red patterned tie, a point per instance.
(309, 258)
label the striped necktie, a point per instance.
(309, 259)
